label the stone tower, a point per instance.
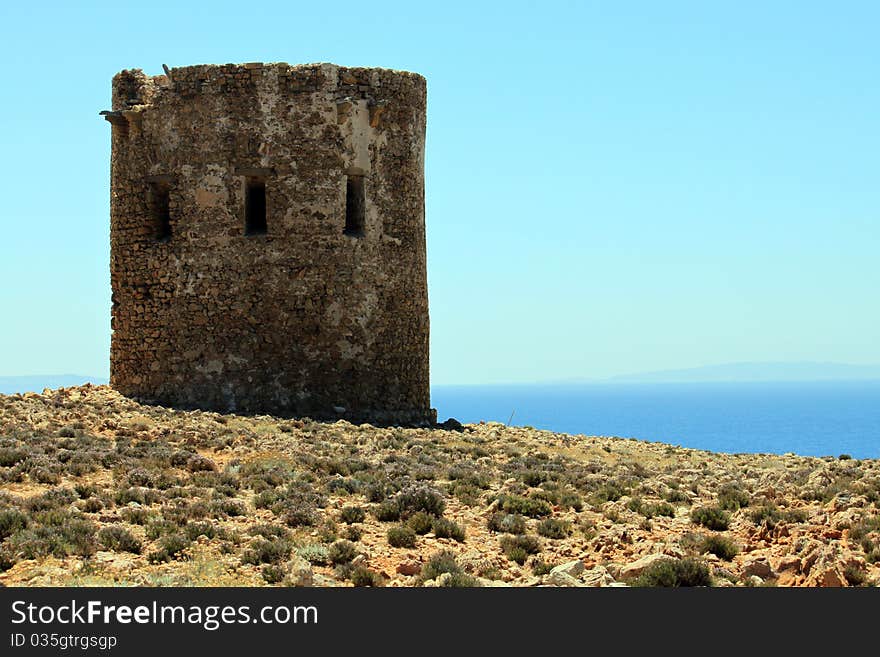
(267, 238)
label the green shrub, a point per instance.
(10, 456)
(90, 505)
(517, 504)
(388, 511)
(855, 576)
(795, 515)
(518, 548)
(51, 499)
(361, 576)
(401, 536)
(138, 495)
(420, 498)
(711, 517)
(7, 558)
(533, 477)
(315, 553)
(608, 492)
(274, 573)
(170, 546)
(439, 563)
(55, 517)
(587, 527)
(342, 551)
(266, 473)
(675, 573)
(540, 567)
(554, 528)
(328, 531)
(469, 476)
(461, 581)
(421, 522)
(516, 554)
(64, 535)
(732, 498)
(770, 515)
(180, 514)
(572, 501)
(11, 521)
(445, 528)
(302, 517)
(268, 530)
(651, 510)
(353, 533)
(376, 492)
(195, 529)
(86, 490)
(352, 514)
(676, 495)
(863, 527)
(508, 523)
(720, 546)
(344, 484)
(159, 528)
(466, 493)
(119, 539)
(262, 550)
(265, 499)
(43, 475)
(635, 504)
(224, 508)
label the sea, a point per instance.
(828, 418)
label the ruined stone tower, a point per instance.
(267, 240)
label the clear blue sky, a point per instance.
(612, 187)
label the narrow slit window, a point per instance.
(159, 200)
(255, 207)
(355, 206)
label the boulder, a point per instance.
(757, 567)
(562, 579)
(826, 575)
(409, 567)
(572, 568)
(299, 572)
(442, 579)
(492, 583)
(636, 568)
(598, 576)
(452, 425)
(832, 577)
(788, 562)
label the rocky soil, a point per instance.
(96, 489)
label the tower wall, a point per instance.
(322, 310)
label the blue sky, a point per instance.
(612, 187)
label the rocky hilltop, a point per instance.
(96, 489)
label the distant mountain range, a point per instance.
(729, 372)
(35, 383)
(736, 372)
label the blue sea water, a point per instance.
(807, 418)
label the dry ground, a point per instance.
(98, 489)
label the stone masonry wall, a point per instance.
(303, 319)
